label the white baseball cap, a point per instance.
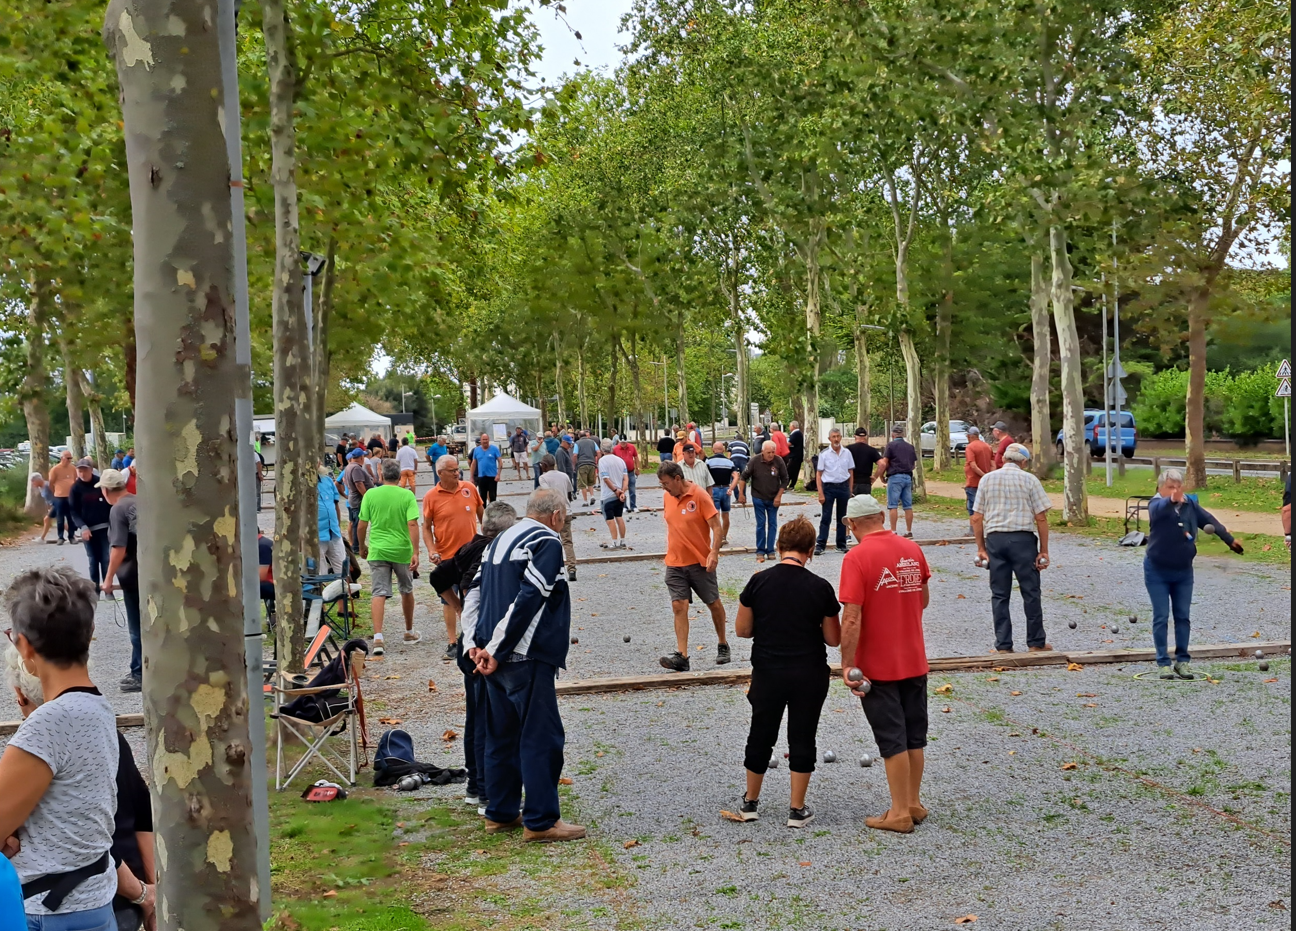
(862, 506)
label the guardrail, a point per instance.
(1280, 467)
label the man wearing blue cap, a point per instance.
(356, 480)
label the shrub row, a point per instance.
(1240, 406)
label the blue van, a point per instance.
(1095, 431)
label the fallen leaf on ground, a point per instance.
(431, 686)
(1014, 734)
(945, 710)
(1266, 548)
(1086, 694)
(630, 843)
(962, 596)
(730, 816)
(945, 689)
(599, 753)
(965, 920)
(1275, 679)
(331, 894)
(564, 781)
(1255, 635)
(804, 863)
(1074, 667)
(480, 850)
(1090, 704)
(391, 677)
(389, 720)
(992, 678)
(403, 843)
(449, 735)
(998, 669)
(400, 824)
(1014, 694)
(1070, 765)
(592, 614)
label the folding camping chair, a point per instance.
(343, 718)
(321, 649)
(322, 610)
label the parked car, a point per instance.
(459, 435)
(1095, 432)
(957, 433)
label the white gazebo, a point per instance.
(356, 419)
(498, 417)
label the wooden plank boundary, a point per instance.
(633, 556)
(667, 680)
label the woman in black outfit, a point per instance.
(790, 614)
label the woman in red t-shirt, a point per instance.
(884, 591)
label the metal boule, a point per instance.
(981, 563)
(409, 783)
(1259, 654)
(829, 756)
(773, 763)
(1071, 624)
(626, 638)
(866, 760)
(1264, 667)
(1133, 618)
(854, 675)
(1208, 528)
(864, 687)
(575, 640)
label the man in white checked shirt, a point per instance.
(836, 474)
(1010, 520)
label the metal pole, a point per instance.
(1107, 418)
(247, 503)
(891, 376)
(1116, 365)
(1287, 425)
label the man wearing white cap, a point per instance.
(883, 591)
(122, 565)
(1010, 521)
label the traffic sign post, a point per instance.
(1284, 376)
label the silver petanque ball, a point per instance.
(1071, 624)
(773, 763)
(829, 756)
(866, 761)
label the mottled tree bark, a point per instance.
(195, 681)
(31, 391)
(1075, 497)
(682, 383)
(863, 375)
(293, 474)
(813, 332)
(913, 401)
(1195, 401)
(93, 400)
(74, 400)
(323, 356)
(1041, 334)
(944, 323)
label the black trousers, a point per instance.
(793, 462)
(487, 485)
(801, 691)
(1013, 554)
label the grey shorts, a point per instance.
(380, 578)
(683, 581)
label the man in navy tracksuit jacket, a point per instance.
(522, 632)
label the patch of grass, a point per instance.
(381, 862)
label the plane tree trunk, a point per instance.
(291, 351)
(1075, 498)
(93, 403)
(1041, 422)
(75, 402)
(31, 391)
(196, 703)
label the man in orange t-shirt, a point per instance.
(693, 534)
(452, 511)
(61, 479)
(978, 461)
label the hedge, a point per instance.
(1239, 406)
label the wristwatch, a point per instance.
(144, 888)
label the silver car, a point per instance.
(957, 434)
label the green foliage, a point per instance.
(1240, 406)
(1250, 409)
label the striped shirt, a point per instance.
(697, 473)
(525, 607)
(739, 452)
(1009, 498)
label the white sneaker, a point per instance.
(472, 801)
(413, 636)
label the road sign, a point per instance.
(1115, 370)
(1284, 370)
(1116, 395)
(1284, 388)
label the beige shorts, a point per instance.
(380, 578)
(586, 476)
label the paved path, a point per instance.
(1235, 521)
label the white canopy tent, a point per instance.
(498, 417)
(356, 419)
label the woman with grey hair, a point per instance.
(57, 775)
(1174, 520)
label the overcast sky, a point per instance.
(597, 22)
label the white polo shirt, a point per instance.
(836, 466)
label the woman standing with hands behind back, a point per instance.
(790, 614)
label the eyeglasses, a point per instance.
(9, 636)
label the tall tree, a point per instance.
(196, 701)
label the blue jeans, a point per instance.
(631, 494)
(1170, 591)
(720, 498)
(838, 493)
(93, 919)
(63, 518)
(353, 531)
(130, 601)
(900, 492)
(971, 498)
(524, 744)
(667, 457)
(766, 525)
(97, 553)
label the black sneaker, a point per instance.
(723, 655)
(747, 810)
(677, 661)
(130, 684)
(819, 550)
(451, 653)
(571, 575)
(841, 549)
(800, 817)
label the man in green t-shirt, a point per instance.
(388, 535)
